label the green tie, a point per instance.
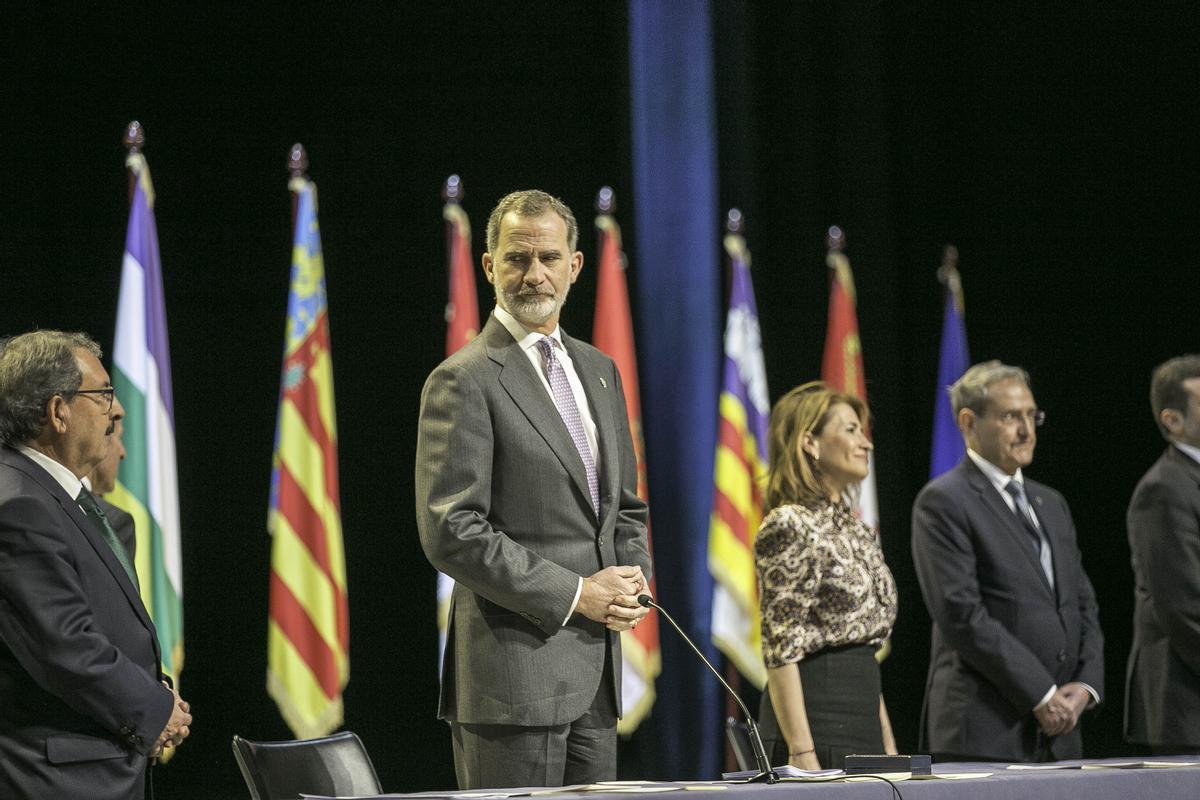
(96, 514)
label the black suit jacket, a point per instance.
(1162, 690)
(81, 703)
(1001, 636)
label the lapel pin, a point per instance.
(604, 383)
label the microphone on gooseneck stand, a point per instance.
(765, 773)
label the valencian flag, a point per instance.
(462, 323)
(308, 632)
(147, 484)
(613, 334)
(740, 475)
(842, 364)
(953, 359)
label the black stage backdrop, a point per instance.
(1054, 146)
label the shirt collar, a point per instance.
(998, 477)
(63, 476)
(527, 339)
(1189, 450)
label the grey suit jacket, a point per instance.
(81, 702)
(1001, 636)
(503, 508)
(1162, 690)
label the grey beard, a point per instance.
(530, 309)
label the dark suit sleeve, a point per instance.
(632, 537)
(946, 564)
(46, 621)
(455, 444)
(1090, 666)
(1164, 533)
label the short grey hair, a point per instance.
(530, 203)
(971, 390)
(34, 367)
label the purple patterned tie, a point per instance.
(564, 399)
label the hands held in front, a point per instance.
(1061, 713)
(177, 726)
(610, 596)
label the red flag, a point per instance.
(462, 325)
(842, 365)
(462, 309)
(613, 335)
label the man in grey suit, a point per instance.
(1016, 651)
(526, 486)
(1162, 692)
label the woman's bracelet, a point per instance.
(803, 752)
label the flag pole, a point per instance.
(298, 170)
(134, 139)
(948, 276)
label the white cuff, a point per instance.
(1049, 694)
(575, 602)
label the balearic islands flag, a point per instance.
(613, 334)
(462, 324)
(953, 359)
(308, 635)
(147, 484)
(740, 475)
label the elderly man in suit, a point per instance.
(1016, 652)
(527, 496)
(83, 705)
(1162, 696)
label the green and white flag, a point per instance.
(147, 484)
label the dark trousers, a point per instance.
(583, 751)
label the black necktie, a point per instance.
(96, 514)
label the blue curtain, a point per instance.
(677, 258)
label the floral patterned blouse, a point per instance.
(822, 582)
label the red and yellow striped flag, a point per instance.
(308, 634)
(612, 334)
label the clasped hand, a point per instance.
(178, 726)
(610, 596)
(1061, 713)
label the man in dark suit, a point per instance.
(83, 706)
(1162, 692)
(1017, 652)
(527, 496)
(102, 480)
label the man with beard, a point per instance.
(527, 496)
(83, 705)
(1016, 652)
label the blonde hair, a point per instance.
(794, 476)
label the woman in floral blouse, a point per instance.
(828, 599)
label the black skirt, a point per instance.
(841, 697)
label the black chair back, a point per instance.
(330, 765)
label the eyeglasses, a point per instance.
(106, 396)
(1034, 419)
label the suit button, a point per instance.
(1062, 656)
(601, 540)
